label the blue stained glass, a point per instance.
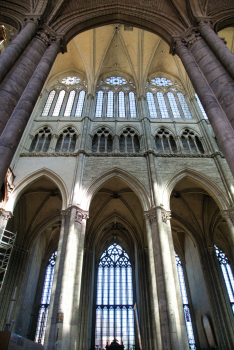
(184, 106)
(110, 104)
(80, 104)
(132, 105)
(151, 105)
(99, 103)
(121, 105)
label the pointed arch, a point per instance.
(130, 180)
(215, 192)
(30, 179)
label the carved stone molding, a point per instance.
(191, 37)
(32, 18)
(204, 21)
(81, 215)
(44, 36)
(151, 215)
(228, 214)
(6, 215)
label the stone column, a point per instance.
(17, 79)
(66, 298)
(222, 317)
(217, 45)
(216, 116)
(217, 77)
(228, 215)
(18, 45)
(12, 134)
(172, 325)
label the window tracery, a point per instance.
(227, 274)
(102, 141)
(129, 141)
(186, 307)
(115, 98)
(114, 303)
(66, 99)
(191, 142)
(45, 300)
(41, 141)
(66, 140)
(165, 142)
(165, 99)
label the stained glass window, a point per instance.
(116, 81)
(80, 104)
(48, 103)
(132, 105)
(184, 106)
(69, 105)
(173, 105)
(58, 103)
(162, 105)
(114, 308)
(201, 107)
(45, 300)
(151, 105)
(99, 102)
(227, 274)
(185, 302)
(110, 104)
(121, 104)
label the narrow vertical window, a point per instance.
(48, 103)
(151, 105)
(110, 104)
(45, 300)
(227, 274)
(173, 105)
(80, 104)
(201, 107)
(185, 302)
(69, 105)
(99, 103)
(162, 105)
(184, 106)
(114, 308)
(121, 105)
(58, 103)
(132, 105)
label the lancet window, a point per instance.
(102, 141)
(165, 142)
(66, 140)
(67, 98)
(201, 107)
(45, 300)
(165, 99)
(227, 274)
(114, 303)
(191, 142)
(186, 307)
(129, 141)
(115, 98)
(41, 141)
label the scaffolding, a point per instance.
(7, 239)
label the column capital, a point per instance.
(151, 214)
(81, 215)
(34, 18)
(204, 21)
(228, 214)
(188, 38)
(90, 96)
(6, 215)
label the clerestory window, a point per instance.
(45, 300)
(114, 303)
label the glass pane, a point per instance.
(69, 105)
(151, 105)
(162, 105)
(184, 105)
(99, 102)
(110, 104)
(58, 103)
(173, 105)
(132, 105)
(201, 107)
(48, 103)
(121, 105)
(80, 104)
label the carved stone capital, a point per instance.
(151, 214)
(32, 18)
(191, 37)
(142, 98)
(81, 215)
(166, 215)
(210, 249)
(204, 21)
(228, 214)
(44, 36)
(90, 97)
(6, 215)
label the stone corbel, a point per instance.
(81, 215)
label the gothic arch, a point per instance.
(202, 180)
(131, 181)
(29, 180)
